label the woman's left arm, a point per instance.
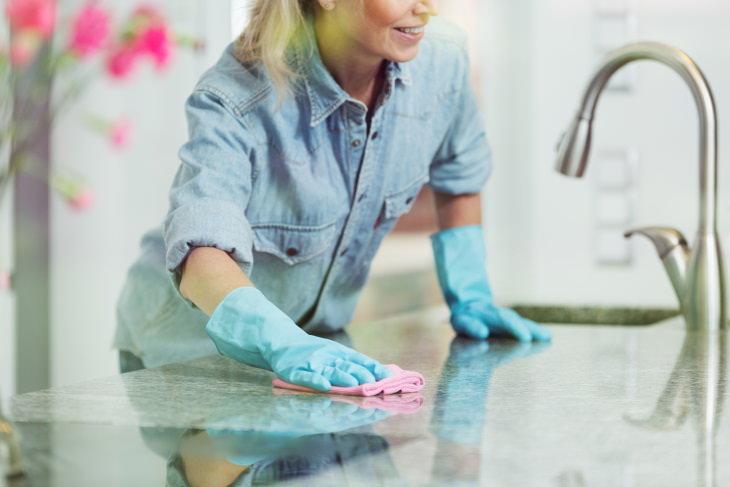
(460, 257)
(457, 210)
(457, 173)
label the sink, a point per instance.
(594, 315)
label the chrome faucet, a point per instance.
(696, 273)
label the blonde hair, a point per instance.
(272, 26)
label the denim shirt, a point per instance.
(301, 195)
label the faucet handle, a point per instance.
(665, 239)
(674, 252)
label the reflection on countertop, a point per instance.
(600, 406)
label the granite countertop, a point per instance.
(600, 406)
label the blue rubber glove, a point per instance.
(247, 327)
(461, 267)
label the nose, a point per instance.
(427, 7)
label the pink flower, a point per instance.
(35, 15)
(156, 42)
(73, 191)
(82, 199)
(144, 34)
(120, 132)
(121, 62)
(149, 14)
(90, 30)
(6, 280)
(23, 48)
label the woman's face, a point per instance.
(383, 29)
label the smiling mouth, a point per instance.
(411, 30)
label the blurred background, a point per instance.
(550, 239)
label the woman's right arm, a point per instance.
(208, 200)
(208, 275)
(245, 326)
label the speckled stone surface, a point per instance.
(600, 406)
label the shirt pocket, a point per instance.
(399, 203)
(293, 244)
(395, 205)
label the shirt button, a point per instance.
(375, 135)
(356, 143)
(361, 197)
(291, 252)
(408, 201)
(342, 254)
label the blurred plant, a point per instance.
(60, 57)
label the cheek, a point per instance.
(384, 13)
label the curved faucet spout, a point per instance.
(575, 147)
(701, 289)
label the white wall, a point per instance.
(92, 250)
(540, 223)
(508, 58)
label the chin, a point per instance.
(403, 56)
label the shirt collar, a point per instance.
(324, 94)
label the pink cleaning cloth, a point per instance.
(401, 381)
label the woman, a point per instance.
(313, 133)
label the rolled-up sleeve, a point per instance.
(463, 163)
(211, 189)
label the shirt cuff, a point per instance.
(208, 223)
(459, 178)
